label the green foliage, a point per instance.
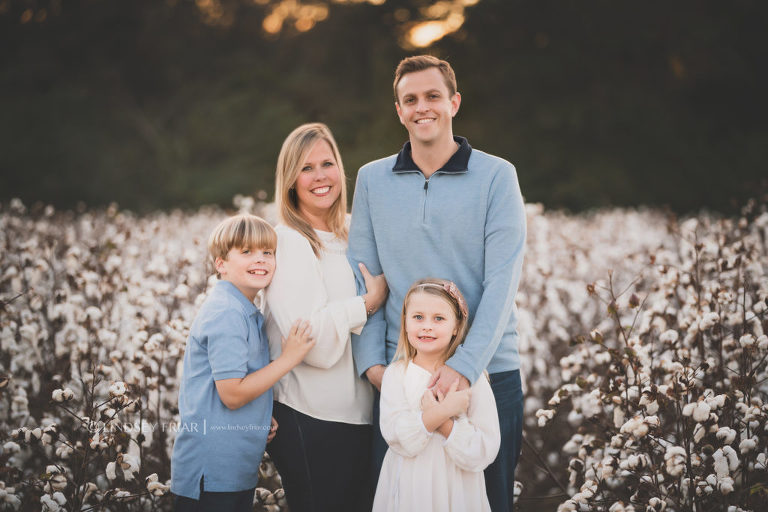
(598, 103)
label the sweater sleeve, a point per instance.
(401, 425)
(298, 292)
(504, 245)
(369, 348)
(474, 441)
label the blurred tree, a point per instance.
(180, 103)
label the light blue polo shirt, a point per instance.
(227, 340)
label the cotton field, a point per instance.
(644, 355)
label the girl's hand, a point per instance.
(377, 290)
(455, 402)
(428, 400)
(298, 343)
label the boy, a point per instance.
(225, 396)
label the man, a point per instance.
(442, 209)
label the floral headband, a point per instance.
(451, 289)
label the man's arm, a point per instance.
(368, 348)
(504, 246)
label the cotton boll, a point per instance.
(726, 434)
(748, 445)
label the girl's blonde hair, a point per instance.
(450, 293)
(237, 232)
(292, 156)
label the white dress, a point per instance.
(423, 471)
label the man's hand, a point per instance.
(375, 374)
(272, 430)
(443, 378)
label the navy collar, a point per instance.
(232, 290)
(459, 161)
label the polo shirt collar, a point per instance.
(226, 287)
(459, 161)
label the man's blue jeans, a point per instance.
(500, 475)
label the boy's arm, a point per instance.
(237, 392)
(368, 348)
(504, 245)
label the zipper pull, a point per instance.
(426, 185)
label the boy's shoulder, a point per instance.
(223, 307)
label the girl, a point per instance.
(438, 446)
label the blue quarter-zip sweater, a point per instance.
(465, 223)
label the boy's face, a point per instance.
(425, 106)
(249, 269)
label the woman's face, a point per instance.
(318, 187)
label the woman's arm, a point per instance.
(298, 291)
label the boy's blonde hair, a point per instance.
(239, 231)
(295, 149)
(450, 293)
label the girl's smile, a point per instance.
(430, 325)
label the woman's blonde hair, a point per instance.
(450, 293)
(237, 232)
(292, 156)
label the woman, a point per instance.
(322, 407)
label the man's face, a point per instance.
(425, 107)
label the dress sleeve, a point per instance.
(474, 441)
(298, 291)
(401, 425)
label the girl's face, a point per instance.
(430, 324)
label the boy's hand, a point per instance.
(298, 343)
(272, 429)
(455, 402)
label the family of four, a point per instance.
(384, 369)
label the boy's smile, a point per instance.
(250, 270)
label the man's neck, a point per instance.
(431, 157)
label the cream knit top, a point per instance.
(321, 290)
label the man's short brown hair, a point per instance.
(420, 63)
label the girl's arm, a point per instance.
(298, 291)
(474, 440)
(438, 413)
(401, 424)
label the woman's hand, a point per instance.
(377, 290)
